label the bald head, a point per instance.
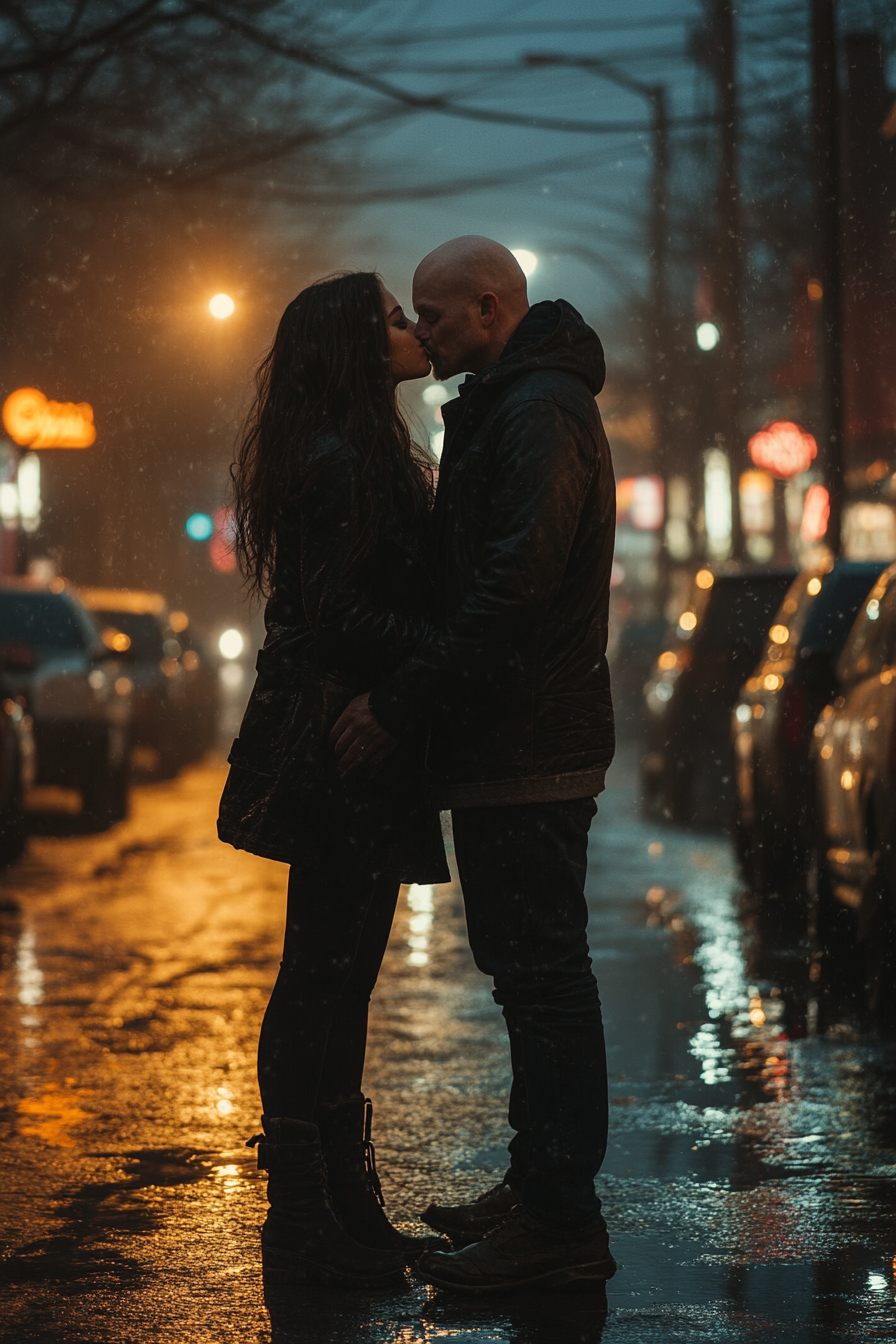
(473, 265)
(470, 296)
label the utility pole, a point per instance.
(729, 262)
(659, 280)
(826, 131)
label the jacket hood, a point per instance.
(552, 335)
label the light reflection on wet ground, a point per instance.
(748, 1185)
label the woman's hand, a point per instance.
(358, 738)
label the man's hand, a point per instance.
(358, 739)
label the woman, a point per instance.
(332, 505)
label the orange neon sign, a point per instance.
(34, 422)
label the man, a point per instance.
(515, 688)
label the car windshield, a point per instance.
(142, 630)
(46, 621)
(740, 611)
(835, 608)
(872, 642)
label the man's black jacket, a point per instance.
(515, 683)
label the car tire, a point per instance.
(171, 760)
(779, 892)
(105, 794)
(744, 846)
(877, 936)
(678, 792)
(13, 829)
(836, 971)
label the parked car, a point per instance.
(772, 728)
(634, 645)
(16, 770)
(154, 659)
(688, 768)
(201, 691)
(854, 755)
(75, 691)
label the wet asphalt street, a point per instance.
(749, 1184)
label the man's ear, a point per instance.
(488, 309)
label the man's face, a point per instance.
(449, 327)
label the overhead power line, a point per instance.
(314, 58)
(478, 32)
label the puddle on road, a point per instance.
(749, 1183)
(54, 1112)
(750, 1172)
(421, 903)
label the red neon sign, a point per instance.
(783, 448)
(816, 512)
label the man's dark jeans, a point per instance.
(522, 869)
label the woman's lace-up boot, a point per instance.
(353, 1183)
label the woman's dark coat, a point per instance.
(329, 639)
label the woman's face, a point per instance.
(409, 359)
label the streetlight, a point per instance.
(221, 305)
(230, 644)
(527, 260)
(708, 335)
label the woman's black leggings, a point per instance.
(314, 1033)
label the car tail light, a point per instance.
(794, 725)
(17, 657)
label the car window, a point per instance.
(872, 642)
(741, 612)
(835, 608)
(43, 621)
(792, 613)
(142, 630)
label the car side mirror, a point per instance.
(17, 657)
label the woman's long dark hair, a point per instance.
(327, 370)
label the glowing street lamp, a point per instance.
(708, 335)
(527, 260)
(230, 644)
(221, 305)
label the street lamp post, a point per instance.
(729, 255)
(826, 127)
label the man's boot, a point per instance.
(467, 1223)
(302, 1240)
(524, 1254)
(353, 1183)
